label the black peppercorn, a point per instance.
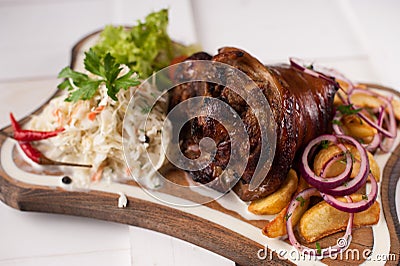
(66, 180)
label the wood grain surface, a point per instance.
(199, 231)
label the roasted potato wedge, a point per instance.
(345, 86)
(274, 203)
(322, 219)
(354, 126)
(324, 155)
(277, 226)
(364, 100)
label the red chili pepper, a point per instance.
(33, 135)
(14, 123)
(30, 151)
(36, 156)
(25, 136)
(30, 135)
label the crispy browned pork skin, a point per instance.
(302, 108)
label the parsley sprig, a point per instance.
(301, 200)
(83, 87)
(287, 216)
(324, 144)
(318, 246)
(348, 109)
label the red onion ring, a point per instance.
(376, 141)
(330, 162)
(374, 144)
(354, 206)
(342, 98)
(298, 64)
(360, 179)
(337, 75)
(385, 144)
(324, 184)
(338, 130)
(306, 194)
(392, 130)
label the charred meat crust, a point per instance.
(302, 108)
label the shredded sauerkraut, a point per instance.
(93, 135)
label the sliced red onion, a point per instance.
(330, 162)
(374, 144)
(376, 141)
(338, 130)
(299, 65)
(325, 252)
(324, 184)
(386, 133)
(344, 100)
(392, 127)
(385, 144)
(360, 179)
(354, 206)
(337, 75)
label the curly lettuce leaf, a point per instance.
(145, 48)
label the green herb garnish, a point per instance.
(348, 109)
(83, 87)
(287, 216)
(353, 159)
(302, 200)
(324, 144)
(145, 48)
(344, 159)
(365, 197)
(318, 246)
(336, 122)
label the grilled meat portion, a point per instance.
(302, 107)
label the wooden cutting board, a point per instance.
(222, 226)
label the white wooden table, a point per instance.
(361, 38)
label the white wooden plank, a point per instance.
(151, 248)
(26, 234)
(98, 258)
